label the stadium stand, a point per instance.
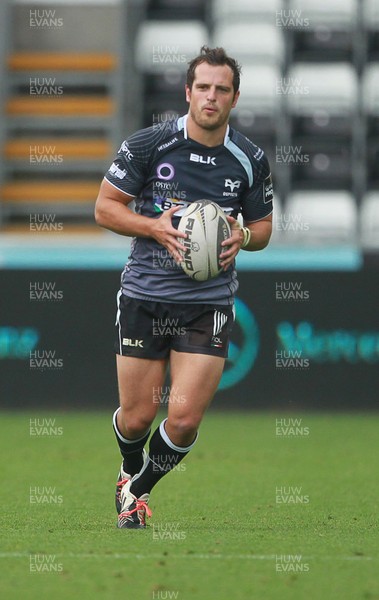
(176, 9)
(371, 26)
(322, 102)
(251, 42)
(323, 29)
(229, 10)
(277, 233)
(328, 216)
(163, 49)
(369, 221)
(310, 94)
(259, 107)
(370, 104)
(63, 117)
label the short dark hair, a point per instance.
(214, 56)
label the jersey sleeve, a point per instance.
(257, 200)
(128, 170)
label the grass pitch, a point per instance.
(260, 509)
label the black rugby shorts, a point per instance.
(148, 329)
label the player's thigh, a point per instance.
(140, 382)
(194, 381)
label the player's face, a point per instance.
(212, 96)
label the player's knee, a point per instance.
(135, 425)
(186, 426)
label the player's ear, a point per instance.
(188, 93)
(235, 100)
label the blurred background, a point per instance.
(78, 77)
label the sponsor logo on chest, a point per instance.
(204, 160)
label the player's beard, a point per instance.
(210, 123)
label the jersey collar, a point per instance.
(182, 125)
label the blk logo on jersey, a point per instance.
(204, 160)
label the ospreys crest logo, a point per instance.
(232, 184)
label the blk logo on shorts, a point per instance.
(132, 343)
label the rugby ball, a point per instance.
(206, 227)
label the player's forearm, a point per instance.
(122, 220)
(260, 235)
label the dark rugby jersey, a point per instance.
(162, 167)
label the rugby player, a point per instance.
(165, 318)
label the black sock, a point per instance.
(163, 457)
(131, 450)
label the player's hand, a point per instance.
(165, 234)
(233, 244)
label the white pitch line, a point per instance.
(271, 557)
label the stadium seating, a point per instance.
(322, 29)
(39, 160)
(175, 9)
(301, 100)
(62, 106)
(251, 42)
(370, 105)
(371, 25)
(258, 111)
(331, 88)
(322, 102)
(369, 220)
(163, 50)
(259, 105)
(277, 234)
(319, 217)
(168, 45)
(229, 10)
